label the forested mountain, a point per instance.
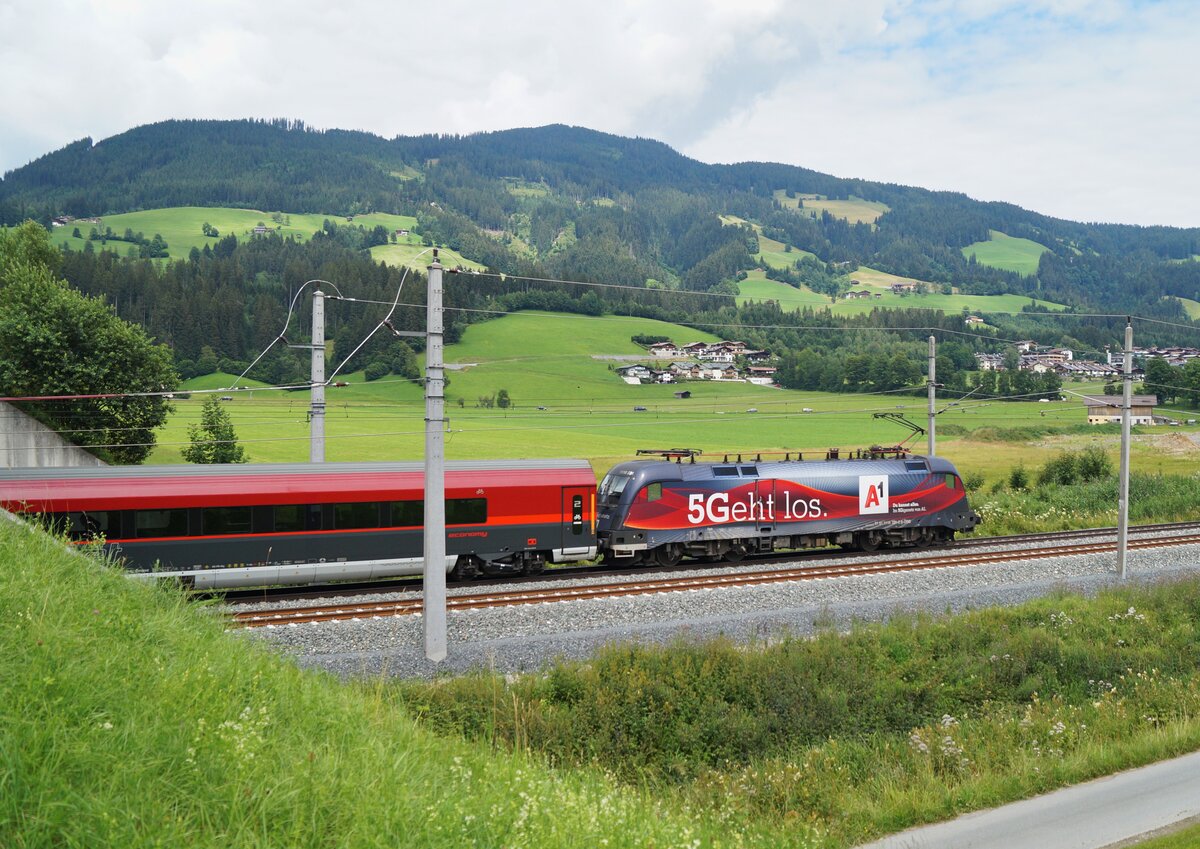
(567, 202)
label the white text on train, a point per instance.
(717, 509)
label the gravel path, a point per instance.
(515, 639)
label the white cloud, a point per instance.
(1081, 108)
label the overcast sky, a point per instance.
(1083, 109)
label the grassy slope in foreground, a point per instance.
(130, 718)
(1006, 252)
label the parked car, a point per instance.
(639, 409)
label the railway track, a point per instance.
(399, 585)
(650, 585)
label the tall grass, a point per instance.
(1051, 506)
(860, 734)
(129, 718)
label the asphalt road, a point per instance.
(1094, 815)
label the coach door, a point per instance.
(578, 519)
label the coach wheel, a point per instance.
(867, 542)
(465, 569)
(534, 566)
(668, 555)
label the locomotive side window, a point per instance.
(725, 471)
(405, 514)
(951, 482)
(466, 511)
(356, 514)
(612, 486)
(225, 520)
(750, 471)
(653, 491)
(160, 523)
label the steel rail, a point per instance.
(408, 607)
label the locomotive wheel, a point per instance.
(924, 539)
(668, 555)
(734, 554)
(867, 542)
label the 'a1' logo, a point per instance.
(872, 494)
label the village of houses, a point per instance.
(702, 361)
(717, 361)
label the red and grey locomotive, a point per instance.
(660, 511)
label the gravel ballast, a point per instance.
(526, 637)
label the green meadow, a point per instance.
(1006, 252)
(181, 226)
(1192, 308)
(756, 287)
(413, 254)
(549, 360)
(855, 210)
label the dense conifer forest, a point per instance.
(569, 203)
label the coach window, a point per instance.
(357, 514)
(466, 511)
(225, 520)
(160, 523)
(288, 517)
(407, 514)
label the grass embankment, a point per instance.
(845, 737)
(129, 718)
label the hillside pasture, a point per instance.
(1192, 308)
(181, 226)
(1007, 253)
(855, 210)
(757, 287)
(771, 252)
(414, 255)
(549, 360)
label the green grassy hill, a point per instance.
(757, 287)
(181, 226)
(853, 209)
(1002, 251)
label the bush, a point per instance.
(973, 481)
(1094, 464)
(1062, 469)
(1018, 478)
(377, 369)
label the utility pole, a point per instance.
(1126, 411)
(316, 449)
(932, 394)
(435, 473)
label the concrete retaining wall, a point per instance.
(24, 441)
